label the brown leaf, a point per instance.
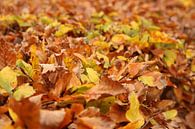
(61, 83)
(28, 112)
(106, 86)
(190, 120)
(51, 119)
(134, 68)
(67, 119)
(164, 104)
(7, 54)
(117, 113)
(4, 121)
(90, 118)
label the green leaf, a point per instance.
(8, 79)
(92, 75)
(147, 80)
(23, 91)
(27, 68)
(170, 57)
(171, 114)
(134, 114)
(63, 29)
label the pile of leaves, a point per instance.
(108, 64)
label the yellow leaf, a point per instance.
(8, 127)
(134, 114)
(13, 115)
(63, 29)
(193, 67)
(187, 3)
(101, 44)
(120, 38)
(23, 91)
(84, 78)
(147, 80)
(153, 122)
(105, 58)
(8, 79)
(34, 58)
(27, 68)
(189, 53)
(170, 57)
(92, 75)
(171, 114)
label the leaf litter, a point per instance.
(97, 65)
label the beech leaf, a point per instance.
(92, 75)
(23, 91)
(134, 114)
(170, 114)
(8, 79)
(26, 67)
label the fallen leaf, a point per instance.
(133, 114)
(23, 91)
(153, 79)
(105, 58)
(63, 29)
(48, 68)
(106, 86)
(8, 79)
(4, 121)
(27, 112)
(92, 75)
(170, 114)
(51, 119)
(26, 67)
(190, 118)
(7, 54)
(91, 118)
(170, 57)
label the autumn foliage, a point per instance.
(97, 64)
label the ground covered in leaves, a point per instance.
(97, 64)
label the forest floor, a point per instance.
(97, 64)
